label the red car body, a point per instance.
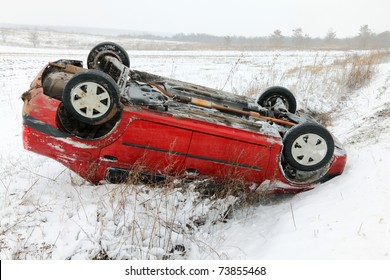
(166, 143)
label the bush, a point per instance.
(361, 69)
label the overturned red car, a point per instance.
(108, 120)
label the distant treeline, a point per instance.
(365, 39)
(51, 37)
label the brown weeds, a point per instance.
(361, 69)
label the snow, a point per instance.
(346, 218)
(48, 212)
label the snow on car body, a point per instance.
(104, 122)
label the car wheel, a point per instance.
(100, 51)
(92, 97)
(308, 146)
(268, 99)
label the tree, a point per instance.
(298, 37)
(34, 38)
(306, 41)
(364, 35)
(4, 34)
(276, 39)
(330, 37)
(227, 40)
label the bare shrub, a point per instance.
(360, 70)
(324, 118)
(232, 71)
(156, 221)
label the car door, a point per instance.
(225, 157)
(150, 146)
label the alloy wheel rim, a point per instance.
(309, 149)
(90, 100)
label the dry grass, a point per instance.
(134, 220)
(158, 220)
(322, 87)
(361, 70)
(324, 119)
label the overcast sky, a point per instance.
(218, 17)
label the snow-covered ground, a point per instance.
(48, 212)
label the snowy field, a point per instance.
(48, 212)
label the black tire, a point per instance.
(268, 98)
(308, 146)
(97, 54)
(92, 97)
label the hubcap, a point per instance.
(90, 100)
(309, 149)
